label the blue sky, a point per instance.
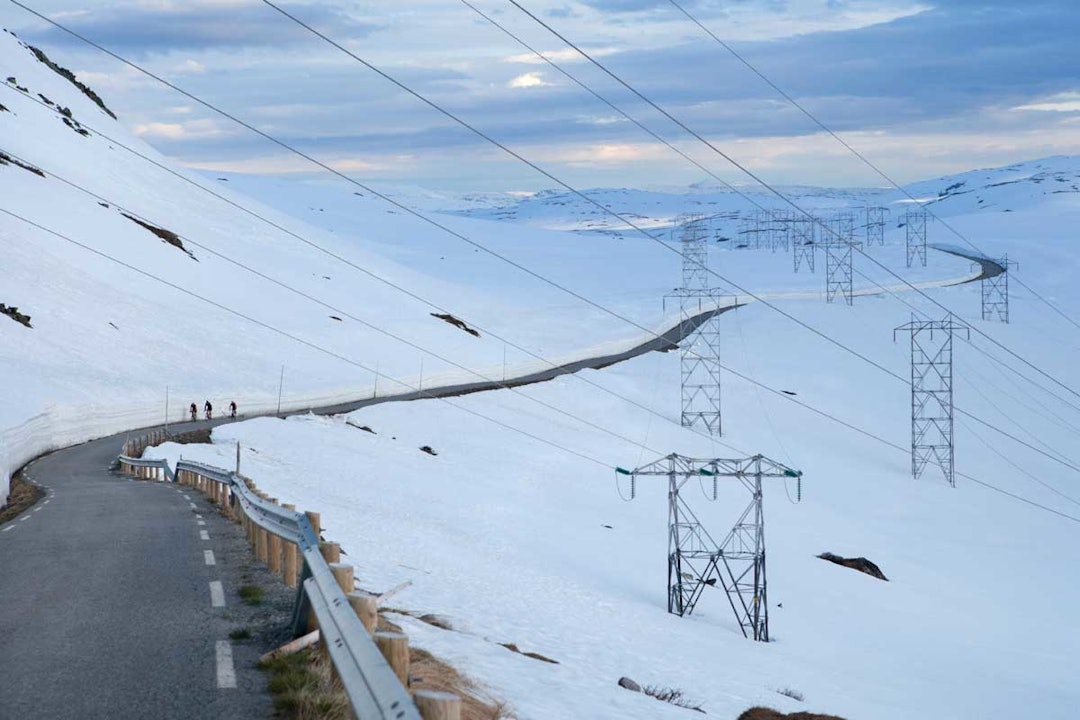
(922, 88)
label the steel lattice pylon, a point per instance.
(995, 293)
(839, 244)
(915, 227)
(779, 230)
(802, 241)
(700, 350)
(695, 560)
(932, 394)
(875, 225)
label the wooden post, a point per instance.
(366, 607)
(331, 553)
(262, 545)
(290, 564)
(395, 648)
(343, 573)
(434, 705)
(314, 519)
(273, 553)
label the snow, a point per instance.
(505, 535)
(504, 531)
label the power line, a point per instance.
(412, 212)
(760, 181)
(297, 339)
(532, 273)
(300, 293)
(602, 207)
(866, 161)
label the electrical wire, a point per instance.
(866, 161)
(603, 208)
(814, 330)
(749, 173)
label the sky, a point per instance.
(921, 88)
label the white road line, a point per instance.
(226, 674)
(193, 506)
(198, 516)
(46, 502)
(37, 509)
(203, 535)
(186, 497)
(208, 555)
(217, 594)
(200, 522)
(9, 527)
(24, 518)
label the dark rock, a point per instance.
(625, 682)
(860, 563)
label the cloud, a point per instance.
(1061, 102)
(163, 27)
(175, 131)
(529, 80)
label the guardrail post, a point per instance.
(331, 553)
(313, 518)
(395, 648)
(290, 562)
(343, 573)
(366, 607)
(273, 550)
(434, 705)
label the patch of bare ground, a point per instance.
(764, 713)
(192, 437)
(167, 236)
(23, 495)
(427, 672)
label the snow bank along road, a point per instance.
(113, 600)
(113, 590)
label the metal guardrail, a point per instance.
(162, 465)
(373, 688)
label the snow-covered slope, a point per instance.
(512, 539)
(120, 313)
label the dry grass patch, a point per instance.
(21, 496)
(304, 688)
(427, 672)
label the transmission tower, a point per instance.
(932, 393)
(696, 560)
(838, 258)
(779, 230)
(915, 225)
(995, 292)
(700, 349)
(875, 225)
(802, 239)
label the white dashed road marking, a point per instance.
(9, 527)
(37, 509)
(24, 518)
(200, 522)
(217, 594)
(46, 502)
(203, 535)
(208, 555)
(192, 506)
(226, 675)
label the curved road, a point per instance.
(110, 606)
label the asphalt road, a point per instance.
(106, 603)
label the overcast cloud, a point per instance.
(921, 87)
